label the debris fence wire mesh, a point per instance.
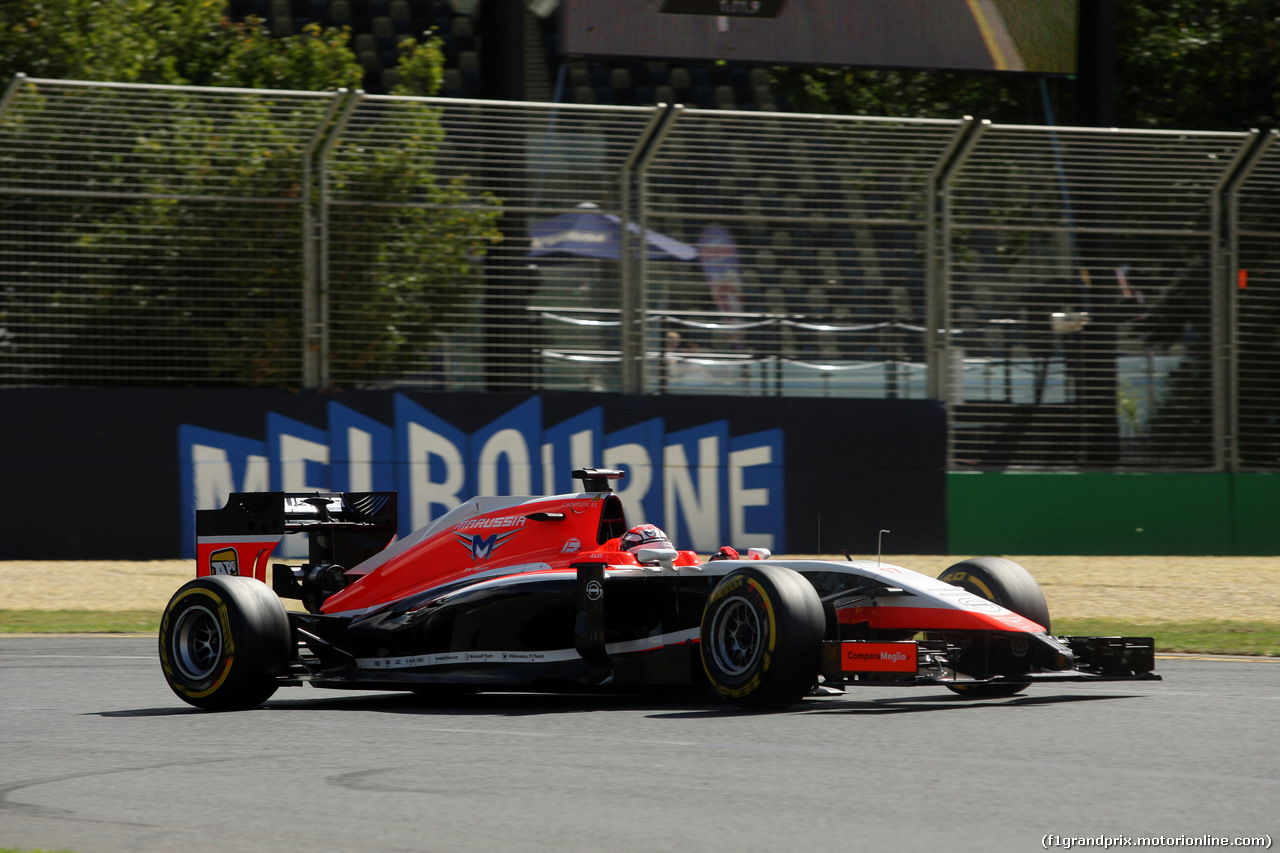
(1254, 282)
(1112, 233)
(1076, 297)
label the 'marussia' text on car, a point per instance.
(561, 593)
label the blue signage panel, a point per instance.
(700, 484)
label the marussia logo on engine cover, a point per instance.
(482, 547)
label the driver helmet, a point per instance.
(644, 536)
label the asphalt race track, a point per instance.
(97, 755)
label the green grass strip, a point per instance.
(79, 622)
(1218, 637)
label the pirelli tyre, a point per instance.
(223, 641)
(761, 637)
(1011, 586)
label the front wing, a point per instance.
(934, 662)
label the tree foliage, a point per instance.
(1199, 64)
(207, 275)
(1016, 99)
(1179, 65)
(174, 42)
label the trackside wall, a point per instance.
(113, 473)
(1113, 513)
(109, 473)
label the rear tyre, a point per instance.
(1012, 587)
(761, 637)
(223, 641)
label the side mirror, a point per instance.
(662, 556)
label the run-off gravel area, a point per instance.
(1141, 589)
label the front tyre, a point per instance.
(1011, 586)
(1003, 581)
(223, 641)
(761, 637)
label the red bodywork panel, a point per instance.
(889, 617)
(247, 556)
(537, 533)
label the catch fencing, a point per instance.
(1079, 298)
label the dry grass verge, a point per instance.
(1137, 589)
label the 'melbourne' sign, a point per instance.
(703, 486)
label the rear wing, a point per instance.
(346, 529)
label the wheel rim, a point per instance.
(736, 637)
(197, 642)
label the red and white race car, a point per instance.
(561, 593)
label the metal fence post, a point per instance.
(1226, 299)
(315, 338)
(634, 304)
(938, 326)
(11, 92)
(314, 355)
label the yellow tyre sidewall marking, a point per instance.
(228, 644)
(767, 603)
(726, 588)
(957, 578)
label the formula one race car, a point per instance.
(558, 593)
